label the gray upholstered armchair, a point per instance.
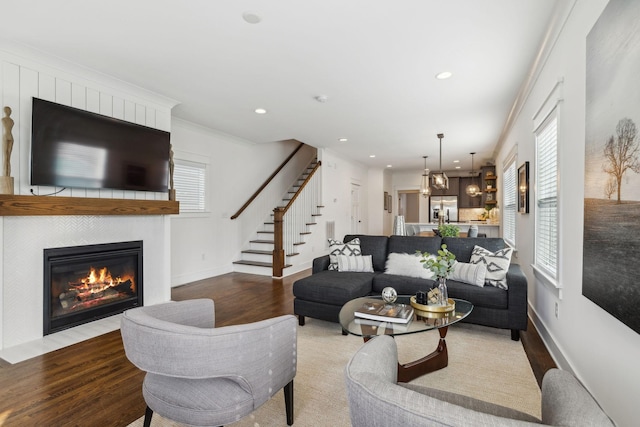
(201, 375)
(376, 399)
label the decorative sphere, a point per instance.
(389, 294)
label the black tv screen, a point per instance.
(77, 148)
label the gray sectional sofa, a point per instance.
(322, 294)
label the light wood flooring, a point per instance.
(93, 384)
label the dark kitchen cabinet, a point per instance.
(466, 201)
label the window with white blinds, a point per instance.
(546, 251)
(189, 180)
(509, 199)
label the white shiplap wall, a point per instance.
(23, 77)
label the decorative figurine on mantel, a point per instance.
(172, 191)
(6, 181)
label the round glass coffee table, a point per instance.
(422, 321)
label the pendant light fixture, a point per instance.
(425, 190)
(439, 180)
(472, 189)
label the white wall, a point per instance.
(205, 245)
(376, 217)
(599, 349)
(338, 175)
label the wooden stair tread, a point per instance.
(256, 263)
(261, 241)
(299, 243)
(257, 252)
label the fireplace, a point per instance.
(86, 283)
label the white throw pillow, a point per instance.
(407, 265)
(357, 263)
(351, 248)
(473, 274)
(497, 264)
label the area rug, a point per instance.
(483, 363)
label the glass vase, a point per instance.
(442, 287)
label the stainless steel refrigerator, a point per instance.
(446, 206)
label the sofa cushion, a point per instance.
(411, 244)
(404, 285)
(463, 246)
(336, 247)
(376, 246)
(497, 264)
(356, 263)
(488, 296)
(333, 287)
(407, 265)
(473, 274)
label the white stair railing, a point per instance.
(291, 221)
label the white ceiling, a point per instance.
(374, 60)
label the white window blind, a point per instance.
(509, 198)
(189, 180)
(546, 251)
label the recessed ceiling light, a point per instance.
(251, 18)
(260, 111)
(456, 161)
(372, 156)
(458, 167)
(444, 75)
(389, 166)
(343, 140)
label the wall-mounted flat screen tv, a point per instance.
(77, 148)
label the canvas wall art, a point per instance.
(611, 267)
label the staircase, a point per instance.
(257, 257)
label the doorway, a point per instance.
(409, 205)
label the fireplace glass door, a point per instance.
(86, 283)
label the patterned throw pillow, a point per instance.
(473, 274)
(357, 263)
(338, 248)
(497, 264)
(407, 265)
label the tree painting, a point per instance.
(621, 153)
(611, 226)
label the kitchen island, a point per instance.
(490, 230)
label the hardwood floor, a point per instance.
(93, 384)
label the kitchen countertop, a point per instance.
(435, 224)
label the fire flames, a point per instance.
(98, 281)
(98, 286)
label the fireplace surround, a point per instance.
(86, 283)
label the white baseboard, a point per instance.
(548, 340)
(194, 276)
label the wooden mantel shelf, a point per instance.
(11, 205)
